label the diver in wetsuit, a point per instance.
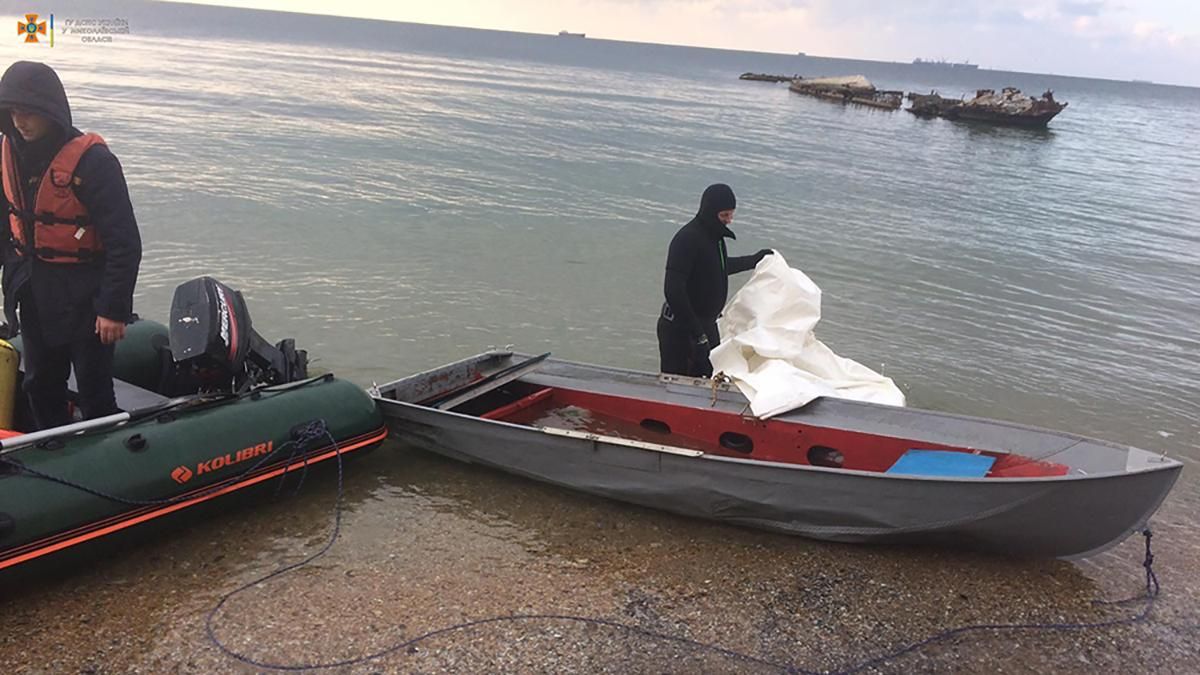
(697, 284)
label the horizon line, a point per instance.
(588, 36)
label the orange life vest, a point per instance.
(62, 231)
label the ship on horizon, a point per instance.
(564, 33)
(943, 63)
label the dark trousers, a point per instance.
(48, 365)
(676, 353)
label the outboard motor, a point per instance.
(215, 347)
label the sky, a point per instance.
(1155, 40)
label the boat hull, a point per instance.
(1035, 121)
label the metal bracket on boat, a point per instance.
(495, 351)
(613, 440)
(667, 378)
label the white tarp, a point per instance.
(770, 351)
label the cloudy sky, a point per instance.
(1124, 39)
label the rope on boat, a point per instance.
(314, 430)
(1148, 597)
(715, 384)
(1152, 586)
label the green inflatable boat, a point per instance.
(210, 411)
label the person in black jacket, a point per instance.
(697, 284)
(71, 251)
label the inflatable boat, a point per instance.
(210, 410)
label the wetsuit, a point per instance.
(697, 286)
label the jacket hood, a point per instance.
(716, 198)
(33, 86)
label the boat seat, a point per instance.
(129, 396)
(942, 463)
(133, 397)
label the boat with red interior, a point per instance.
(834, 469)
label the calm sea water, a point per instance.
(396, 196)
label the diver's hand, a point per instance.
(109, 331)
(762, 254)
(700, 349)
(701, 365)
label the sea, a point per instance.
(395, 196)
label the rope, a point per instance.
(1151, 594)
(1152, 586)
(310, 432)
(337, 528)
(715, 384)
(210, 630)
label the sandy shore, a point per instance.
(426, 544)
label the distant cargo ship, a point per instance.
(942, 63)
(563, 33)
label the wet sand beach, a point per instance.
(427, 543)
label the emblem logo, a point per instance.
(181, 474)
(31, 28)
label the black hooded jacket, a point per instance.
(68, 297)
(698, 265)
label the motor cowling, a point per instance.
(212, 341)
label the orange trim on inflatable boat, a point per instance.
(201, 490)
(378, 437)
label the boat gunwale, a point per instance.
(707, 389)
(704, 390)
(384, 403)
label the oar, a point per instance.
(494, 381)
(7, 444)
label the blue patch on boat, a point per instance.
(942, 463)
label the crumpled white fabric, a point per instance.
(771, 353)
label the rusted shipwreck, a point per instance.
(1009, 107)
(764, 77)
(854, 89)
